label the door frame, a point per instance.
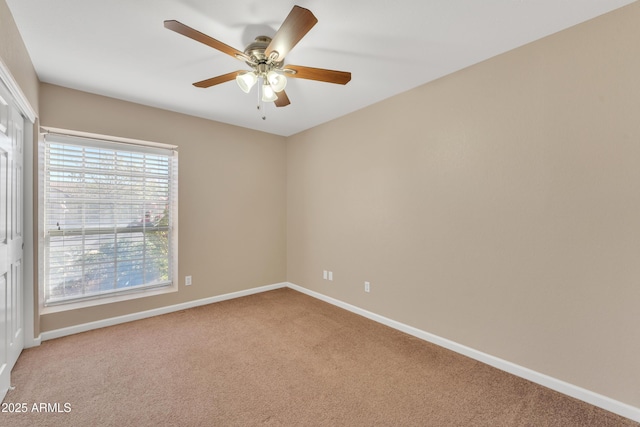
(31, 334)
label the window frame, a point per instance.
(122, 294)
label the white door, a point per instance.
(11, 236)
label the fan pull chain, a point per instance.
(260, 102)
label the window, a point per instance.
(108, 217)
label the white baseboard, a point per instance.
(563, 387)
(34, 342)
(57, 333)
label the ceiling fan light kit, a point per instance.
(268, 94)
(265, 56)
(246, 80)
(277, 81)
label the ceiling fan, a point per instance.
(266, 56)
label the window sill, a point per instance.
(108, 299)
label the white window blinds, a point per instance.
(108, 219)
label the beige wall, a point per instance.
(498, 207)
(231, 189)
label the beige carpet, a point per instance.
(276, 358)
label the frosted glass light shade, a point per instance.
(246, 81)
(268, 95)
(277, 81)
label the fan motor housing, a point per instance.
(256, 50)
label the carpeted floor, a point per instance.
(277, 358)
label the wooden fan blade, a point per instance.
(293, 29)
(217, 80)
(180, 28)
(319, 74)
(283, 99)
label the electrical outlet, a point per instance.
(367, 287)
(187, 281)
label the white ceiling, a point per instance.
(120, 48)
